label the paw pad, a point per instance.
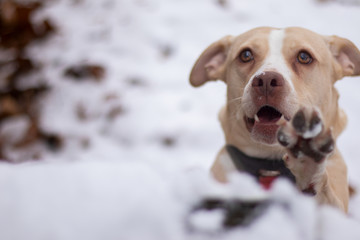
(305, 136)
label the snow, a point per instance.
(207, 221)
(139, 175)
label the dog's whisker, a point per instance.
(235, 99)
(234, 115)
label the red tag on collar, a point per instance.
(266, 181)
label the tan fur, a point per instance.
(313, 86)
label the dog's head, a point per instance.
(271, 72)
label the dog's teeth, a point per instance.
(281, 121)
(256, 118)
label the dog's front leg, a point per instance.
(311, 155)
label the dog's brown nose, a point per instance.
(268, 83)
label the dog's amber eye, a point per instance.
(304, 58)
(246, 56)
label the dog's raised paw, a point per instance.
(305, 136)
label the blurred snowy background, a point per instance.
(102, 137)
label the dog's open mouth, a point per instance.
(266, 115)
(263, 126)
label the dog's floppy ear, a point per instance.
(346, 54)
(211, 63)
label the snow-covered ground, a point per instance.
(137, 175)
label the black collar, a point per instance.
(259, 167)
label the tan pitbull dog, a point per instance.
(282, 103)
